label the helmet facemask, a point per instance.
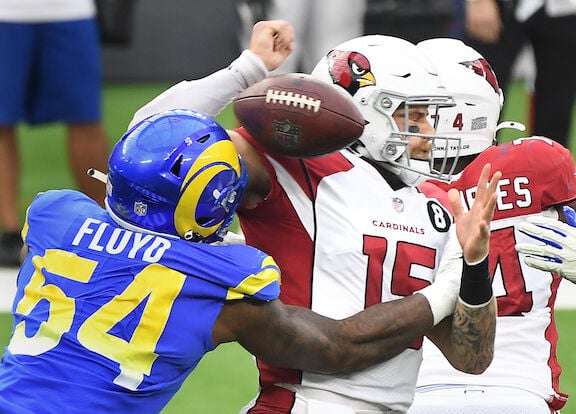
(471, 81)
(392, 137)
(383, 74)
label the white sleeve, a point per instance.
(443, 293)
(211, 94)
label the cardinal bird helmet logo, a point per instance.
(482, 68)
(350, 70)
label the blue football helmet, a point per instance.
(176, 173)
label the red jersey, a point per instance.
(345, 239)
(537, 174)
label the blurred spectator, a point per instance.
(115, 19)
(50, 72)
(319, 26)
(180, 38)
(413, 20)
(499, 29)
(250, 12)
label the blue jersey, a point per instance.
(110, 320)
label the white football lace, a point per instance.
(294, 99)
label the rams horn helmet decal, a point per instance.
(182, 166)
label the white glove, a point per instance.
(557, 254)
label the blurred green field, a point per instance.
(226, 379)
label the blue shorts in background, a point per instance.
(50, 72)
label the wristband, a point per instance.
(476, 285)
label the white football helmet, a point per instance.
(472, 83)
(382, 73)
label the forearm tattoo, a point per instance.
(473, 334)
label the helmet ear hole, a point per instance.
(176, 167)
(203, 220)
(203, 139)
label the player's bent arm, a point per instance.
(209, 95)
(296, 337)
(466, 334)
(270, 45)
(467, 338)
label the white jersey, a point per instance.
(345, 240)
(537, 174)
(37, 11)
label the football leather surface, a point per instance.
(298, 115)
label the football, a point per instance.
(298, 115)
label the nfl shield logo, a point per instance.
(397, 205)
(287, 134)
(140, 208)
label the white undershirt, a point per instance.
(45, 10)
